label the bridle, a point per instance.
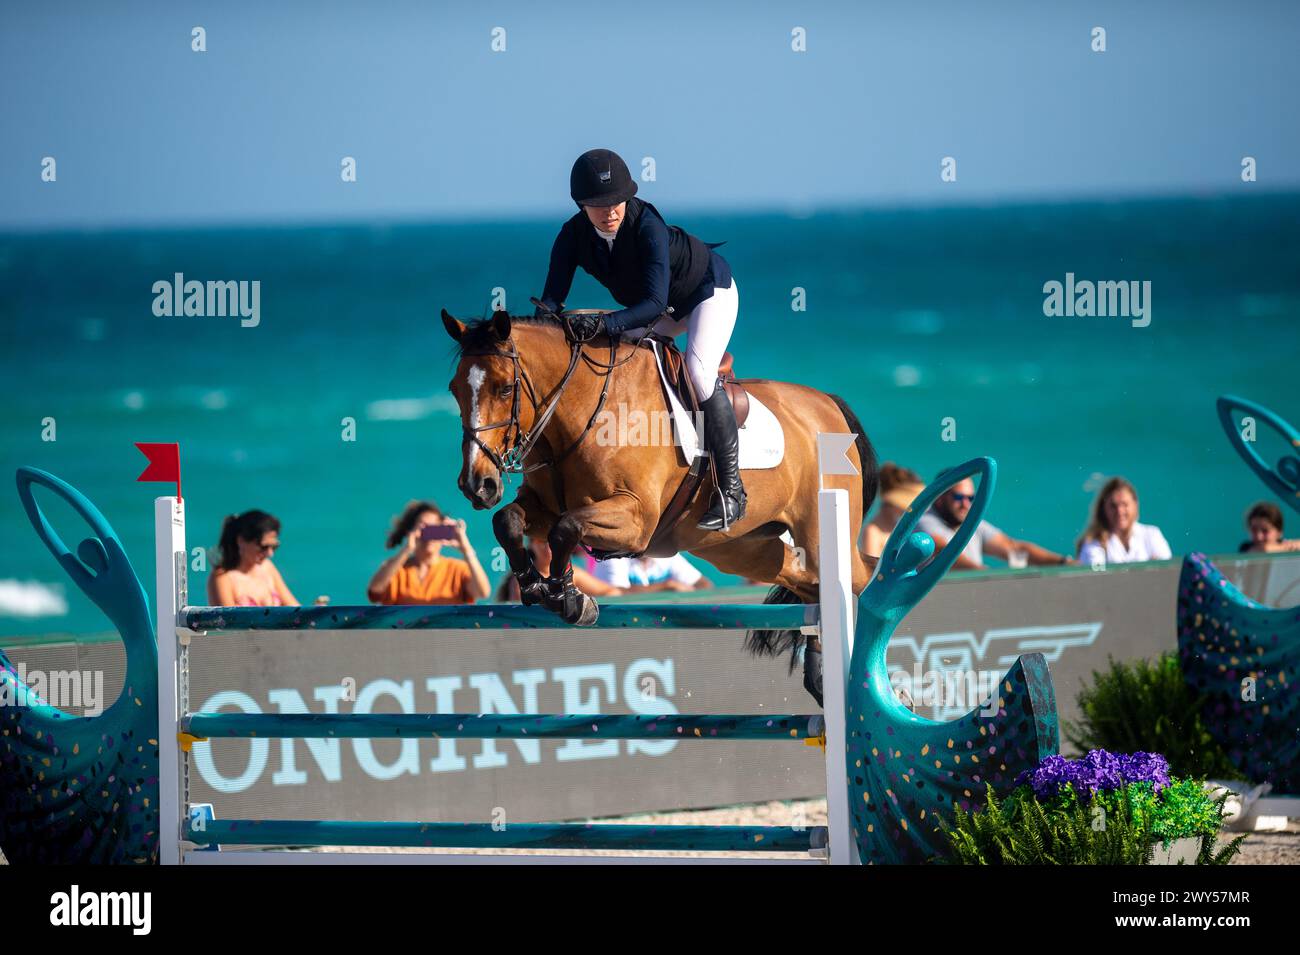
(519, 443)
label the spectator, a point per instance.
(245, 576)
(1264, 524)
(418, 573)
(949, 511)
(639, 575)
(1113, 534)
(508, 589)
(899, 487)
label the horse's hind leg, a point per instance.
(767, 559)
(794, 574)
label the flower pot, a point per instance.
(1178, 852)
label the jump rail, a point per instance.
(719, 617)
(501, 726)
(178, 624)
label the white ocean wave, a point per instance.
(411, 409)
(906, 376)
(31, 598)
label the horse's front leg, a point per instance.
(613, 524)
(509, 525)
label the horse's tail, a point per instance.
(775, 642)
(772, 643)
(870, 471)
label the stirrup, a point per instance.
(717, 516)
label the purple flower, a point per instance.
(1095, 772)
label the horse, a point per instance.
(530, 397)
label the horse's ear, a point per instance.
(501, 324)
(455, 328)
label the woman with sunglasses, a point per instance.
(245, 576)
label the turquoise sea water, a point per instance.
(914, 316)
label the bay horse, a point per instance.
(529, 398)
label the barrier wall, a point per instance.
(980, 621)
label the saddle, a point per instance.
(675, 368)
(678, 379)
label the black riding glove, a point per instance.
(586, 327)
(546, 310)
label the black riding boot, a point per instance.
(723, 443)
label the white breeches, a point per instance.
(708, 330)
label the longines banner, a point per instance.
(971, 628)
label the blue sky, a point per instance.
(145, 131)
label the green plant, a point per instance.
(1117, 827)
(1147, 706)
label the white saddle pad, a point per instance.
(762, 439)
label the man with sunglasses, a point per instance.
(943, 519)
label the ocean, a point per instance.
(929, 321)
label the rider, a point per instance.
(649, 266)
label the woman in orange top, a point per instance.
(245, 576)
(418, 573)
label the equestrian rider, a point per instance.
(649, 266)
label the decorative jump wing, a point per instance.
(77, 789)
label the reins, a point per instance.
(519, 443)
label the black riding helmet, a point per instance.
(600, 178)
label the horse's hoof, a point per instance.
(579, 610)
(590, 612)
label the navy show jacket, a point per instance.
(651, 266)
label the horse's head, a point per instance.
(486, 386)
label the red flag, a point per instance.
(164, 464)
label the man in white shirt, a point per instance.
(649, 574)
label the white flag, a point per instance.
(831, 454)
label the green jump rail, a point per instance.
(498, 726)
(476, 835)
(708, 616)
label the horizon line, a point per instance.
(790, 210)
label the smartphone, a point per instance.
(437, 532)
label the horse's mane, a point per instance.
(479, 335)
